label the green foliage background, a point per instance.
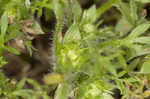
(91, 60)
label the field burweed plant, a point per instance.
(92, 60)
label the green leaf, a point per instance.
(73, 34)
(59, 10)
(4, 24)
(37, 28)
(133, 64)
(120, 86)
(143, 1)
(12, 50)
(108, 66)
(33, 83)
(94, 89)
(133, 14)
(21, 84)
(106, 6)
(23, 93)
(89, 16)
(123, 26)
(122, 73)
(139, 30)
(146, 67)
(122, 61)
(60, 16)
(14, 31)
(107, 96)
(62, 91)
(130, 80)
(2, 62)
(77, 11)
(125, 10)
(53, 78)
(142, 40)
(29, 47)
